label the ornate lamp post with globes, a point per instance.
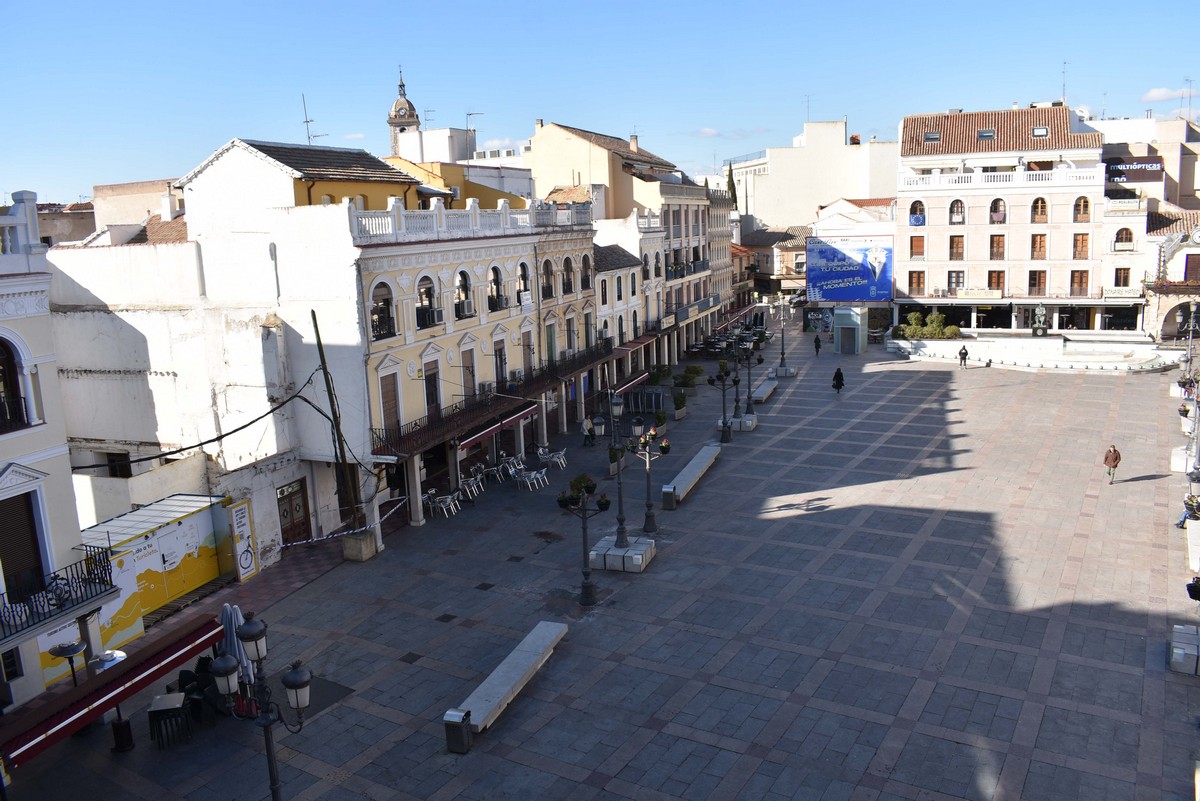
(253, 636)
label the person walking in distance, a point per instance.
(589, 432)
(839, 380)
(1112, 458)
(817, 344)
(962, 357)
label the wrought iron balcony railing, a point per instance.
(56, 594)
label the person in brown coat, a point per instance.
(1112, 458)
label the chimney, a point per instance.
(633, 145)
(855, 139)
(168, 210)
(537, 123)
(1016, 104)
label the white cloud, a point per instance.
(1161, 93)
(707, 133)
(735, 135)
(354, 136)
(497, 144)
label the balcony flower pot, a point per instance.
(602, 503)
(583, 484)
(664, 447)
(567, 500)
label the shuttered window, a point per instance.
(19, 553)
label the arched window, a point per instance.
(1082, 210)
(1124, 240)
(496, 298)
(585, 273)
(603, 293)
(636, 333)
(383, 322)
(632, 285)
(645, 266)
(524, 277)
(568, 276)
(12, 405)
(620, 296)
(996, 212)
(658, 265)
(464, 304)
(621, 329)
(428, 314)
(547, 280)
(1038, 211)
(916, 213)
(958, 212)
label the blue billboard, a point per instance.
(850, 268)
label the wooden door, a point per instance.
(293, 513)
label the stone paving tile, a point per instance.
(727, 712)
(865, 688)
(972, 712)
(944, 766)
(928, 612)
(855, 567)
(1010, 628)
(984, 663)
(802, 628)
(1088, 684)
(833, 739)
(1087, 736)
(832, 595)
(1049, 782)
(903, 647)
(769, 667)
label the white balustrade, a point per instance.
(1062, 175)
(401, 225)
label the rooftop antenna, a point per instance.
(1188, 81)
(428, 112)
(1064, 83)
(308, 121)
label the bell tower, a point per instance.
(403, 118)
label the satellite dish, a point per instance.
(1196, 237)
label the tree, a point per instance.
(731, 186)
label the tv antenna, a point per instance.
(308, 122)
(1188, 81)
(1064, 82)
(428, 112)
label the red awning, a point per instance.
(30, 734)
(495, 428)
(632, 383)
(735, 316)
(637, 342)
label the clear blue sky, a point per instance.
(100, 93)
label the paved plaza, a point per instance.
(923, 588)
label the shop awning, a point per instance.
(637, 342)
(489, 429)
(28, 733)
(633, 383)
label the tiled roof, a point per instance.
(157, 232)
(332, 163)
(1183, 222)
(959, 132)
(614, 257)
(620, 147)
(740, 250)
(311, 163)
(799, 237)
(868, 202)
(767, 237)
(570, 194)
(85, 205)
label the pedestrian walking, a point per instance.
(589, 432)
(839, 380)
(817, 344)
(962, 357)
(1112, 458)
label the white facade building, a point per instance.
(784, 186)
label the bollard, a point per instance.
(458, 730)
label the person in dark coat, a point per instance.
(1112, 458)
(839, 380)
(817, 344)
(962, 357)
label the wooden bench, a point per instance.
(687, 478)
(510, 676)
(764, 390)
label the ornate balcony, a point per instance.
(69, 592)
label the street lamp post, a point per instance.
(777, 308)
(1191, 327)
(587, 590)
(737, 392)
(721, 379)
(616, 405)
(253, 636)
(642, 446)
(751, 359)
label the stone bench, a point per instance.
(764, 390)
(502, 685)
(687, 478)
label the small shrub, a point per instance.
(680, 400)
(660, 418)
(951, 332)
(915, 320)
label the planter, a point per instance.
(613, 467)
(568, 501)
(358, 547)
(603, 503)
(681, 413)
(664, 449)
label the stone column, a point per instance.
(416, 509)
(28, 386)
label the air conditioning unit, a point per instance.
(523, 297)
(437, 316)
(505, 301)
(956, 219)
(468, 308)
(487, 387)
(517, 375)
